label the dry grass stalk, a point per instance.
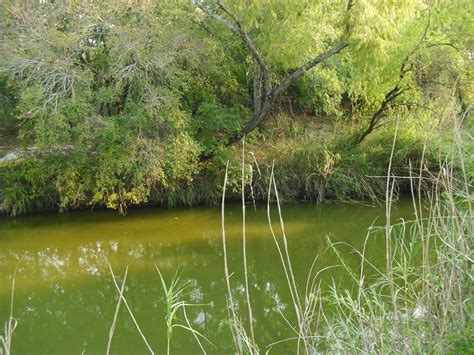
(117, 308)
(11, 323)
(130, 311)
(230, 299)
(244, 248)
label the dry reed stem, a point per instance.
(117, 308)
(388, 231)
(278, 247)
(244, 247)
(11, 324)
(193, 331)
(302, 324)
(286, 267)
(130, 311)
(237, 337)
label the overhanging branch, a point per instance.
(307, 66)
(264, 93)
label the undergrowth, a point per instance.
(420, 301)
(309, 167)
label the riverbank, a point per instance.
(309, 166)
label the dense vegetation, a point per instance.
(119, 103)
(130, 102)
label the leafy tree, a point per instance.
(390, 70)
(122, 102)
(265, 92)
(100, 82)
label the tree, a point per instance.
(100, 83)
(406, 66)
(264, 91)
(120, 102)
(398, 89)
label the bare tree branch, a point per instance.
(236, 28)
(264, 93)
(307, 66)
(398, 88)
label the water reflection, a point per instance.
(65, 297)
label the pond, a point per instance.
(65, 297)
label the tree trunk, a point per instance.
(264, 93)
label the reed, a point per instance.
(418, 302)
(120, 299)
(117, 308)
(11, 324)
(175, 293)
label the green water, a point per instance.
(65, 298)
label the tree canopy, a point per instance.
(127, 97)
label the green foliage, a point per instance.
(461, 342)
(320, 92)
(214, 123)
(291, 32)
(117, 103)
(7, 105)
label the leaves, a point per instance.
(121, 100)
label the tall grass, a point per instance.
(429, 306)
(11, 324)
(175, 291)
(174, 297)
(419, 302)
